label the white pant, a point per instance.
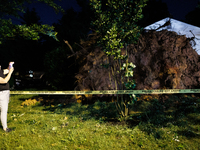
(4, 100)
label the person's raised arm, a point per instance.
(7, 78)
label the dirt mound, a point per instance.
(163, 59)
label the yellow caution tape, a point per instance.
(165, 91)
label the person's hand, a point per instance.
(11, 63)
(11, 70)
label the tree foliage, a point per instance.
(12, 8)
(119, 17)
(74, 26)
(116, 26)
(70, 27)
(30, 17)
(27, 53)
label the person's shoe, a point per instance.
(7, 130)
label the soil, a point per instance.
(163, 59)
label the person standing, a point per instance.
(5, 94)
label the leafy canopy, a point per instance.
(116, 23)
(12, 8)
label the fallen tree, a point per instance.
(163, 59)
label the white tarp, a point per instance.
(181, 28)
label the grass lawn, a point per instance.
(173, 123)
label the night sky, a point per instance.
(48, 15)
(180, 8)
(177, 8)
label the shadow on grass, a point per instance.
(188, 133)
(99, 110)
(150, 116)
(168, 111)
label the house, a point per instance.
(179, 27)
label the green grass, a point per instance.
(172, 124)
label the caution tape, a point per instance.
(164, 91)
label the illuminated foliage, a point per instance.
(12, 8)
(116, 25)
